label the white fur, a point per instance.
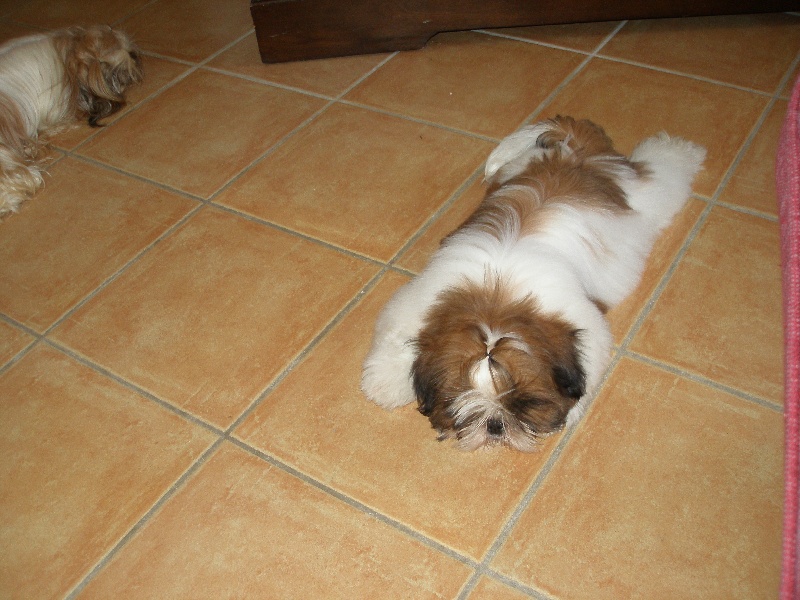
(581, 255)
(31, 79)
(32, 76)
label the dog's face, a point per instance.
(492, 370)
(100, 63)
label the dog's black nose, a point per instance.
(495, 426)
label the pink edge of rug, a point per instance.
(788, 187)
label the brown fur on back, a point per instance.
(583, 175)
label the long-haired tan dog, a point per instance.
(49, 82)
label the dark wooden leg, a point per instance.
(290, 30)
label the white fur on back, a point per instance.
(32, 76)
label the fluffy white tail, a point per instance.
(673, 164)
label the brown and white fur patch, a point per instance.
(502, 338)
(49, 82)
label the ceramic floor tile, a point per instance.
(12, 342)
(646, 102)
(330, 77)
(157, 74)
(241, 528)
(390, 460)
(417, 256)
(83, 460)
(751, 51)
(576, 36)
(669, 489)
(198, 134)
(54, 14)
(720, 314)
(82, 227)
(190, 30)
(212, 314)
(623, 316)
(753, 182)
(358, 179)
(489, 589)
(440, 82)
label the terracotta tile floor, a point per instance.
(185, 306)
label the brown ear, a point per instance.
(426, 384)
(568, 374)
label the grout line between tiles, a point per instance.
(271, 150)
(732, 391)
(569, 78)
(132, 386)
(787, 81)
(37, 337)
(268, 83)
(353, 503)
(593, 52)
(516, 38)
(162, 186)
(123, 269)
(596, 54)
(18, 356)
(306, 350)
(517, 585)
(748, 211)
(171, 491)
(413, 119)
(299, 234)
(469, 181)
(19, 325)
(664, 70)
(278, 144)
(401, 271)
(167, 57)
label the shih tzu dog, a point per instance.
(49, 82)
(502, 337)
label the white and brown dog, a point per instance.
(503, 336)
(49, 82)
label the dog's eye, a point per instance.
(527, 402)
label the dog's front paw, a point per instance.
(386, 379)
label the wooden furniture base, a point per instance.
(289, 30)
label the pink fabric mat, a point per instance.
(788, 187)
